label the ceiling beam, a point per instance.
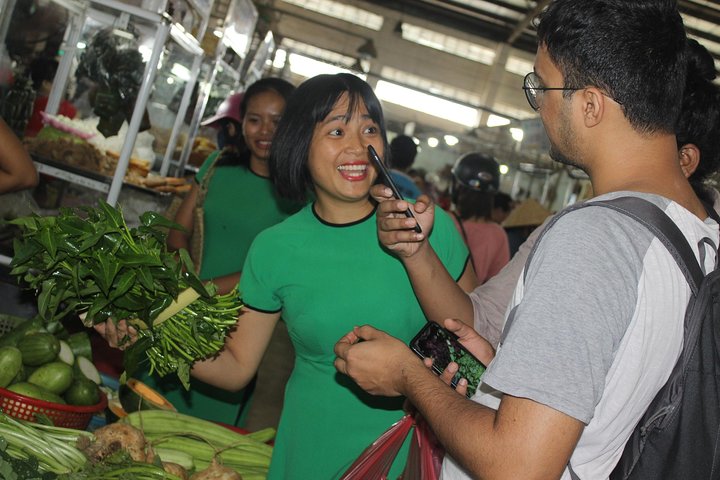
(467, 22)
(525, 22)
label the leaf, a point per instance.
(124, 283)
(108, 269)
(112, 215)
(131, 302)
(94, 312)
(154, 219)
(45, 297)
(135, 259)
(90, 240)
(158, 305)
(74, 226)
(24, 251)
(134, 357)
(145, 277)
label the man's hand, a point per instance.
(472, 340)
(395, 230)
(375, 360)
(475, 344)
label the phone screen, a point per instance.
(443, 347)
(387, 180)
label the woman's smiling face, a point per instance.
(338, 158)
(261, 117)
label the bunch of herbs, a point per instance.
(87, 261)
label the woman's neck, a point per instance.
(259, 166)
(340, 212)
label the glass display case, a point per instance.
(129, 68)
(221, 75)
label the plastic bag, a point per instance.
(424, 458)
(426, 454)
(375, 461)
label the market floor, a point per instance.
(272, 377)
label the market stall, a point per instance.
(58, 392)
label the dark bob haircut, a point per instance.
(311, 102)
(634, 50)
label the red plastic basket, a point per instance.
(70, 416)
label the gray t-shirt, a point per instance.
(596, 325)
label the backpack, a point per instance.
(678, 435)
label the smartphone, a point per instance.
(443, 347)
(387, 180)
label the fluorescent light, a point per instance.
(309, 67)
(497, 121)
(517, 134)
(280, 59)
(451, 140)
(432, 142)
(81, 45)
(426, 103)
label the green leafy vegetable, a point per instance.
(87, 261)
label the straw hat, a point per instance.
(528, 213)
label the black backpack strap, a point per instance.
(657, 221)
(654, 219)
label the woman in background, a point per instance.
(240, 202)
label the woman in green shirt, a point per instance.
(323, 271)
(241, 201)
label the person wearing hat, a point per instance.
(239, 202)
(227, 120)
(475, 180)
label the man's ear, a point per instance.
(593, 105)
(689, 157)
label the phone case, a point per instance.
(443, 347)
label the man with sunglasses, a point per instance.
(596, 324)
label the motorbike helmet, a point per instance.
(476, 171)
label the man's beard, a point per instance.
(560, 157)
(568, 139)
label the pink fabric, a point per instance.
(488, 243)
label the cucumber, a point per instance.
(54, 377)
(21, 375)
(33, 391)
(66, 354)
(82, 392)
(80, 344)
(84, 368)
(38, 348)
(21, 329)
(10, 365)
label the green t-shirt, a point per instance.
(325, 279)
(239, 205)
